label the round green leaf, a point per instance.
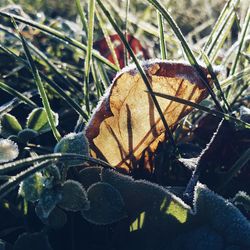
(74, 197)
(38, 120)
(89, 175)
(73, 143)
(47, 202)
(106, 204)
(9, 125)
(32, 187)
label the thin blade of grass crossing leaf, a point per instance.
(41, 89)
(241, 44)
(202, 108)
(161, 36)
(17, 94)
(20, 164)
(140, 69)
(186, 48)
(216, 81)
(88, 59)
(59, 35)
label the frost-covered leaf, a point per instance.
(73, 143)
(74, 197)
(32, 187)
(222, 216)
(31, 241)
(47, 202)
(8, 150)
(9, 125)
(126, 122)
(38, 120)
(106, 204)
(57, 218)
(143, 196)
(89, 175)
(202, 238)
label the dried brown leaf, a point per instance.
(126, 122)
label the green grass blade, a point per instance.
(126, 55)
(103, 74)
(236, 77)
(215, 80)
(17, 94)
(107, 38)
(59, 35)
(241, 44)
(66, 98)
(218, 23)
(186, 49)
(88, 59)
(140, 69)
(161, 36)
(41, 89)
(203, 108)
(82, 16)
(221, 30)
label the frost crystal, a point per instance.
(8, 150)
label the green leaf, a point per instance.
(162, 209)
(73, 143)
(47, 202)
(27, 241)
(201, 238)
(8, 150)
(106, 204)
(57, 218)
(9, 125)
(38, 121)
(74, 197)
(222, 216)
(32, 187)
(90, 175)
